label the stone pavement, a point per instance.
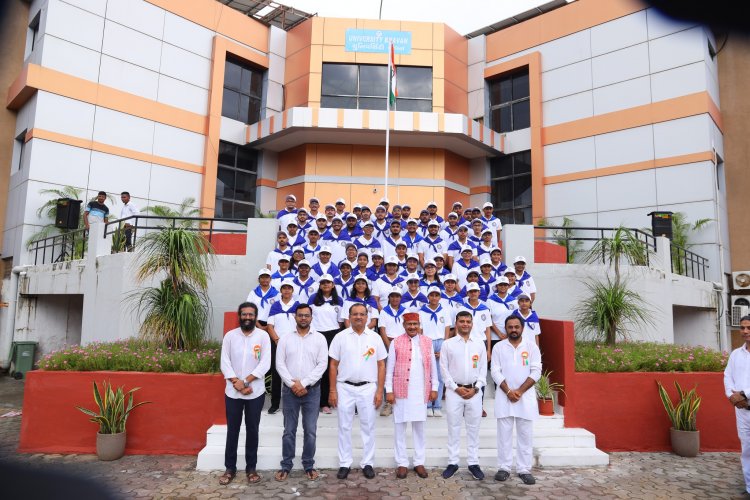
(630, 475)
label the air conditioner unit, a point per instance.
(740, 307)
(741, 280)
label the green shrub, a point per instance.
(134, 355)
(647, 357)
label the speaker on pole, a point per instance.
(68, 212)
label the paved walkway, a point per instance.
(630, 475)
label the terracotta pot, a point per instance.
(110, 446)
(546, 407)
(685, 443)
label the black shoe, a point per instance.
(342, 473)
(368, 472)
(476, 472)
(502, 475)
(449, 471)
(527, 478)
(273, 409)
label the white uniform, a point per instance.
(412, 408)
(737, 378)
(501, 309)
(482, 319)
(465, 363)
(531, 327)
(494, 224)
(358, 355)
(514, 365)
(274, 255)
(392, 321)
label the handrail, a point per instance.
(69, 245)
(687, 263)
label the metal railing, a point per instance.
(568, 236)
(142, 224)
(687, 263)
(70, 245)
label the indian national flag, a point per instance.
(392, 87)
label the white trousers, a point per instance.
(468, 411)
(743, 431)
(362, 397)
(399, 446)
(524, 438)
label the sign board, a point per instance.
(377, 41)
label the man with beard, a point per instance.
(516, 366)
(245, 360)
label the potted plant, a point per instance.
(684, 435)
(114, 409)
(545, 389)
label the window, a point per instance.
(243, 91)
(509, 102)
(33, 36)
(511, 187)
(236, 181)
(360, 86)
(21, 148)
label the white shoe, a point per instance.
(436, 412)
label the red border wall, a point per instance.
(549, 253)
(229, 243)
(184, 407)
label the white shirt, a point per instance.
(129, 210)
(499, 312)
(432, 329)
(481, 321)
(274, 256)
(429, 249)
(495, 225)
(283, 322)
(382, 287)
(514, 365)
(358, 355)
(372, 312)
(463, 362)
(263, 306)
(393, 326)
(326, 316)
(737, 372)
(243, 355)
(413, 407)
(301, 357)
(528, 285)
(530, 328)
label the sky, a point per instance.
(463, 16)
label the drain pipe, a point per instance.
(7, 334)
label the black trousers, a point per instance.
(325, 385)
(275, 379)
(252, 408)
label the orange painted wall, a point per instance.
(456, 65)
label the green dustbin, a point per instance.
(22, 356)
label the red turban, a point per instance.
(411, 316)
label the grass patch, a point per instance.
(647, 357)
(134, 355)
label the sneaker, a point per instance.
(273, 410)
(436, 412)
(387, 410)
(449, 471)
(476, 472)
(527, 478)
(326, 410)
(430, 412)
(502, 475)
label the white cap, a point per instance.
(340, 200)
(463, 227)
(405, 205)
(401, 244)
(472, 286)
(429, 262)
(285, 257)
(433, 222)
(361, 277)
(337, 218)
(286, 283)
(304, 262)
(321, 216)
(345, 262)
(366, 207)
(432, 204)
(325, 249)
(292, 223)
(394, 289)
(392, 259)
(291, 197)
(411, 255)
(357, 205)
(368, 223)
(351, 215)
(488, 230)
(519, 258)
(326, 277)
(496, 249)
(263, 271)
(315, 199)
(502, 280)
(449, 277)
(410, 221)
(329, 205)
(384, 199)
(474, 270)
(485, 260)
(433, 289)
(522, 296)
(412, 277)
(313, 228)
(458, 203)
(453, 214)
(380, 207)
(377, 253)
(466, 247)
(487, 205)
(301, 209)
(298, 249)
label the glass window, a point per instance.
(236, 181)
(243, 89)
(509, 102)
(511, 187)
(352, 86)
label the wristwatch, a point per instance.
(247, 384)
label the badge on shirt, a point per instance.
(369, 352)
(531, 325)
(256, 351)
(442, 319)
(484, 317)
(336, 310)
(475, 359)
(271, 301)
(525, 358)
(439, 246)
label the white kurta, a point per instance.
(412, 408)
(514, 365)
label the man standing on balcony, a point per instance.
(128, 210)
(737, 389)
(245, 360)
(96, 210)
(516, 366)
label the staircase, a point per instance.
(554, 445)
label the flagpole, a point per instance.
(387, 121)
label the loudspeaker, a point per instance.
(661, 224)
(68, 213)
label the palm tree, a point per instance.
(623, 245)
(681, 232)
(185, 209)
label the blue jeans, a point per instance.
(437, 345)
(252, 409)
(309, 405)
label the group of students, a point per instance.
(395, 271)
